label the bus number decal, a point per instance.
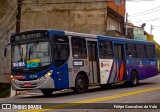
(78, 63)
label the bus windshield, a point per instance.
(31, 55)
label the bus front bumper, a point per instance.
(40, 83)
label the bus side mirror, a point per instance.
(5, 52)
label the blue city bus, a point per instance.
(51, 60)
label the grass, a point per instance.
(5, 90)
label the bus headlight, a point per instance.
(11, 76)
(49, 73)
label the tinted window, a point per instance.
(61, 50)
(150, 51)
(118, 51)
(79, 48)
(141, 52)
(131, 50)
(106, 50)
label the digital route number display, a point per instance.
(28, 36)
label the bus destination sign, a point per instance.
(28, 36)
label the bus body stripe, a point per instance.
(110, 74)
(120, 78)
(113, 73)
(116, 75)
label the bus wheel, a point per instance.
(80, 84)
(134, 79)
(47, 92)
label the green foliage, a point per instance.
(4, 90)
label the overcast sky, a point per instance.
(145, 11)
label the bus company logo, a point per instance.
(104, 65)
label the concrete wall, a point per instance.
(83, 16)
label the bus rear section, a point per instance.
(124, 60)
(141, 61)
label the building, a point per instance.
(115, 18)
(135, 32)
(138, 33)
(116, 15)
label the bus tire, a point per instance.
(80, 84)
(47, 92)
(134, 79)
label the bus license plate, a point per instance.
(27, 84)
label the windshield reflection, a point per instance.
(31, 55)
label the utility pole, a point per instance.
(151, 29)
(126, 22)
(18, 21)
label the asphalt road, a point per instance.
(145, 95)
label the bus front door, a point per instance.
(93, 62)
(120, 62)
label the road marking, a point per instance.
(94, 100)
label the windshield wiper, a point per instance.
(32, 48)
(20, 51)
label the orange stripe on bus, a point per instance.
(121, 71)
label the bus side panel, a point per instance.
(61, 77)
(74, 70)
(106, 69)
(142, 67)
(132, 64)
(151, 68)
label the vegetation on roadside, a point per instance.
(5, 90)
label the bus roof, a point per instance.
(87, 35)
(123, 39)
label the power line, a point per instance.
(154, 19)
(8, 30)
(6, 17)
(9, 22)
(145, 11)
(11, 6)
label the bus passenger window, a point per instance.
(61, 50)
(141, 51)
(79, 48)
(150, 51)
(106, 50)
(131, 50)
